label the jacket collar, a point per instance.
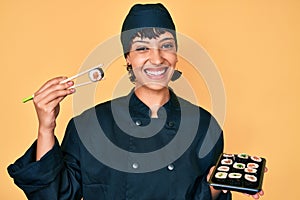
(139, 109)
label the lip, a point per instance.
(156, 73)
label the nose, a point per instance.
(156, 56)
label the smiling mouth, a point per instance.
(156, 72)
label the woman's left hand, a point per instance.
(257, 195)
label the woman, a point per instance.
(72, 170)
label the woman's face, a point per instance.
(153, 60)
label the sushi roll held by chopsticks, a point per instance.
(95, 74)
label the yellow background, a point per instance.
(254, 43)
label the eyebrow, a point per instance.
(147, 42)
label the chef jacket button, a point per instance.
(170, 167)
(138, 122)
(171, 124)
(135, 165)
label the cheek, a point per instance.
(136, 61)
(172, 59)
(139, 64)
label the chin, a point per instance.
(153, 86)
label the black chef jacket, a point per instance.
(75, 170)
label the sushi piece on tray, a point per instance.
(226, 161)
(239, 172)
(223, 168)
(239, 165)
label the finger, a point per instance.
(54, 103)
(49, 83)
(212, 169)
(210, 172)
(54, 85)
(53, 89)
(54, 95)
(266, 169)
(48, 104)
(261, 193)
(255, 196)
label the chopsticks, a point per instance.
(95, 74)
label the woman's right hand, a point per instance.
(46, 101)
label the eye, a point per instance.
(141, 49)
(168, 46)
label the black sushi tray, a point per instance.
(238, 172)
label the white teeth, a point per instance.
(155, 73)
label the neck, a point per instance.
(154, 99)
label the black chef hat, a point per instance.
(145, 16)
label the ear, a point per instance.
(128, 60)
(176, 59)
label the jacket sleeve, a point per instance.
(55, 176)
(208, 152)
